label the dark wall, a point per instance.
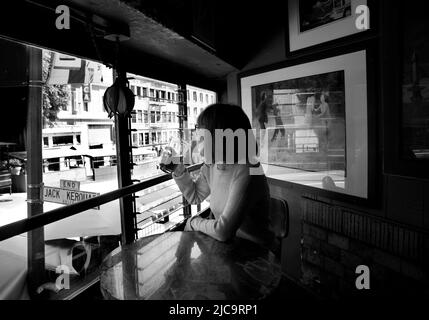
(13, 92)
(403, 202)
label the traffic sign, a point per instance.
(70, 185)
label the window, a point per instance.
(187, 95)
(152, 93)
(146, 138)
(195, 112)
(45, 142)
(164, 136)
(134, 139)
(162, 94)
(207, 98)
(201, 97)
(133, 117)
(158, 135)
(133, 89)
(139, 116)
(158, 116)
(194, 96)
(139, 91)
(78, 138)
(164, 116)
(62, 140)
(141, 139)
(212, 99)
(168, 95)
(146, 117)
(169, 117)
(152, 116)
(144, 92)
(153, 137)
(85, 106)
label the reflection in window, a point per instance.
(415, 86)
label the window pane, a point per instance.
(62, 140)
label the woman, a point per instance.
(239, 194)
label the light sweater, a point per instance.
(239, 202)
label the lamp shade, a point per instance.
(118, 99)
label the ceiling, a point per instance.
(179, 41)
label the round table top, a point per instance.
(187, 266)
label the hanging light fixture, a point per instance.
(118, 98)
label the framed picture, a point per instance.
(313, 22)
(311, 122)
(406, 88)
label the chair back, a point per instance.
(279, 216)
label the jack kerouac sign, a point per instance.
(69, 193)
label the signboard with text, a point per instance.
(86, 93)
(70, 184)
(65, 196)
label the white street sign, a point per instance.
(64, 196)
(70, 185)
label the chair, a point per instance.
(279, 215)
(279, 221)
(6, 180)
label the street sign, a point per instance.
(64, 196)
(70, 185)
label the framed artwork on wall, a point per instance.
(311, 122)
(406, 88)
(314, 22)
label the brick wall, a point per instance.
(336, 240)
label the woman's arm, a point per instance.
(194, 191)
(237, 205)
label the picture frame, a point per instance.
(406, 91)
(352, 177)
(314, 22)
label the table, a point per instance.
(189, 265)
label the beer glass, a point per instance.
(171, 156)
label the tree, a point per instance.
(55, 97)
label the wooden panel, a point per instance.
(404, 200)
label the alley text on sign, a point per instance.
(63, 196)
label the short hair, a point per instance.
(227, 116)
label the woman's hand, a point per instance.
(170, 162)
(179, 170)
